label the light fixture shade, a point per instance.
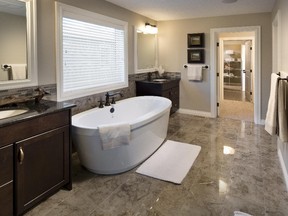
(150, 29)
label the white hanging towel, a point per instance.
(194, 72)
(114, 135)
(270, 121)
(18, 71)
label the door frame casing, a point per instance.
(221, 59)
(257, 65)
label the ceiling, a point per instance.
(15, 7)
(161, 10)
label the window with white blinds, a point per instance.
(92, 53)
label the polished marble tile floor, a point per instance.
(237, 169)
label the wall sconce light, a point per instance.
(150, 29)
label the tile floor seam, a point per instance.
(114, 192)
(248, 182)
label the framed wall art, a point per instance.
(196, 40)
(196, 56)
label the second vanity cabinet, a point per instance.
(6, 180)
(168, 89)
(37, 157)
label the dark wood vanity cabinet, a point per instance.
(38, 152)
(168, 89)
(6, 180)
(44, 169)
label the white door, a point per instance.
(248, 72)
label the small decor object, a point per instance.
(196, 40)
(196, 56)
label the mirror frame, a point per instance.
(146, 70)
(31, 26)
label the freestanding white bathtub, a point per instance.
(148, 117)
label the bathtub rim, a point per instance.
(135, 123)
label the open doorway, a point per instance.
(245, 33)
(236, 72)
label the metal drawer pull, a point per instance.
(21, 155)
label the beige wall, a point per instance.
(172, 39)
(12, 39)
(281, 8)
(46, 32)
(172, 45)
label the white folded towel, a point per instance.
(18, 71)
(114, 135)
(270, 121)
(194, 72)
(282, 111)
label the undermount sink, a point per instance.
(11, 112)
(160, 80)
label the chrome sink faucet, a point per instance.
(108, 95)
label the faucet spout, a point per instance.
(110, 94)
(114, 94)
(41, 94)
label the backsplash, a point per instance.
(88, 102)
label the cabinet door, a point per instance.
(173, 95)
(6, 180)
(6, 199)
(42, 167)
(175, 99)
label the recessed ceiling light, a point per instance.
(229, 1)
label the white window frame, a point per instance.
(63, 10)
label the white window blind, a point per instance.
(93, 55)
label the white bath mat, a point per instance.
(171, 162)
(239, 213)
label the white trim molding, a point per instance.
(257, 65)
(31, 50)
(283, 167)
(194, 112)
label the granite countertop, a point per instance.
(44, 107)
(159, 80)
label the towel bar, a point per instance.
(204, 67)
(283, 78)
(279, 78)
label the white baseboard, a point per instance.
(284, 170)
(205, 114)
(195, 112)
(262, 122)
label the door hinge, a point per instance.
(218, 74)
(250, 70)
(250, 48)
(217, 44)
(250, 93)
(218, 104)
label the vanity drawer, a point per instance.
(6, 164)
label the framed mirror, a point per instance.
(18, 52)
(146, 59)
